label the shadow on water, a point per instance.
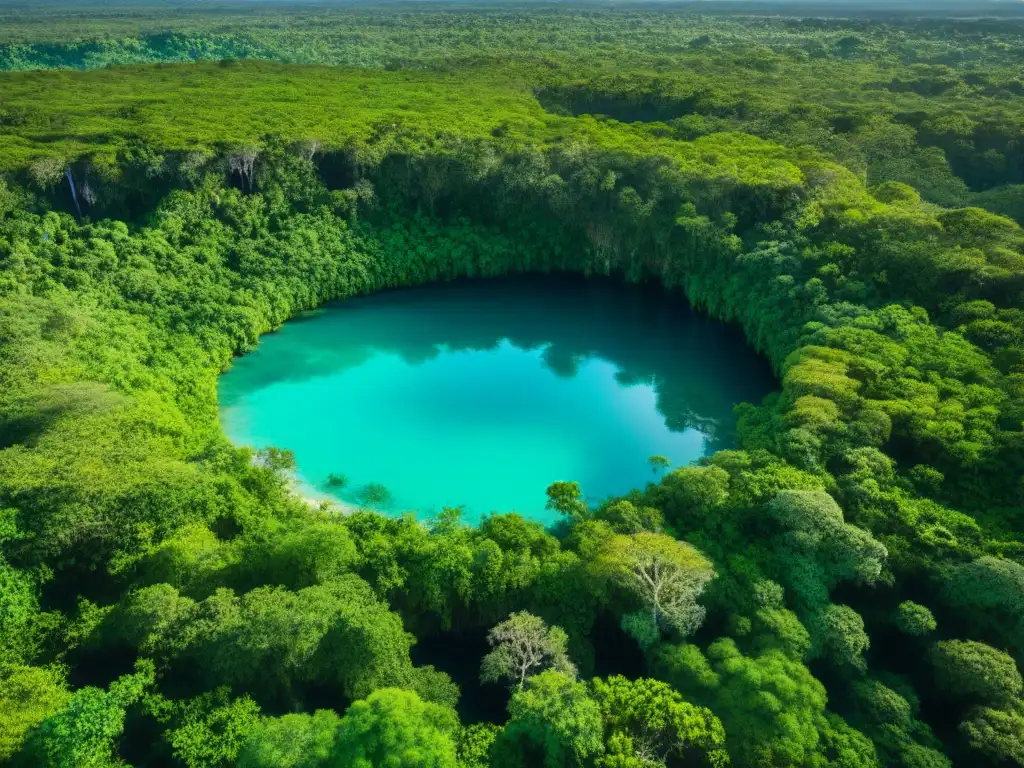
(699, 368)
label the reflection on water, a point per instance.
(481, 393)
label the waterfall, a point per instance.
(74, 192)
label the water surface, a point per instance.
(481, 393)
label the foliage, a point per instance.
(566, 499)
(291, 741)
(28, 695)
(772, 708)
(965, 669)
(809, 180)
(211, 729)
(659, 463)
(890, 717)
(524, 646)
(474, 745)
(665, 575)
(914, 619)
(647, 721)
(269, 637)
(553, 721)
(394, 727)
(989, 594)
(997, 734)
(817, 538)
(83, 733)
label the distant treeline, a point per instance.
(933, 103)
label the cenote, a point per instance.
(481, 393)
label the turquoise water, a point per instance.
(481, 393)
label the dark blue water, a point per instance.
(481, 393)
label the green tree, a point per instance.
(475, 743)
(989, 594)
(28, 695)
(814, 526)
(567, 499)
(552, 721)
(279, 460)
(889, 716)
(659, 463)
(374, 495)
(998, 734)
(313, 553)
(625, 517)
(212, 728)
(914, 619)
(433, 685)
(524, 645)
(772, 707)
(83, 734)
(22, 623)
(976, 673)
(395, 728)
(839, 636)
(270, 638)
(689, 496)
(816, 550)
(647, 723)
(291, 741)
(665, 575)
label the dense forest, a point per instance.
(843, 588)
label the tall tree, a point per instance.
(665, 575)
(524, 645)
